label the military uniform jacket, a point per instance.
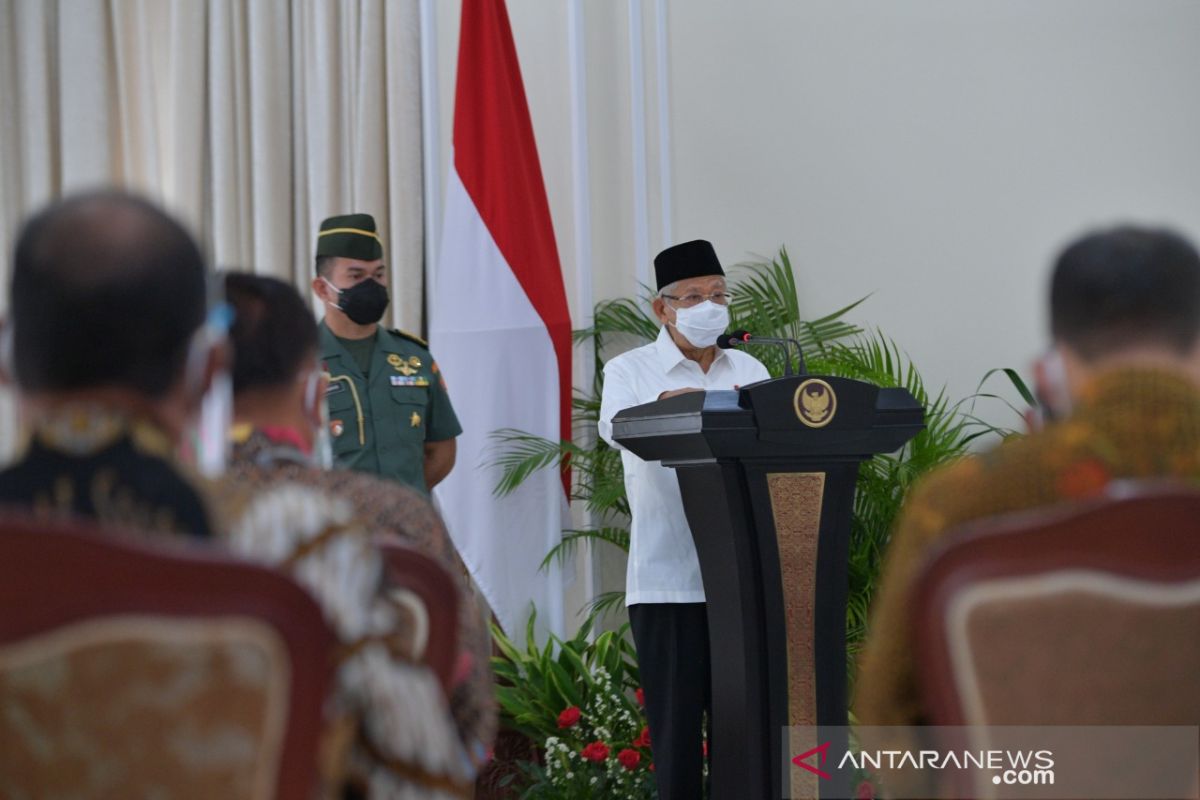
(380, 422)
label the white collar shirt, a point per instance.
(663, 567)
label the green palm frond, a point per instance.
(519, 455)
(829, 328)
(564, 550)
(764, 296)
(621, 316)
(604, 603)
(766, 303)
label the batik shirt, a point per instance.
(260, 460)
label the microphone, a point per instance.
(740, 338)
(728, 341)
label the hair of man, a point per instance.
(1126, 287)
(274, 334)
(107, 290)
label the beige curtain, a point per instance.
(250, 119)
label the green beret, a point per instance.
(350, 236)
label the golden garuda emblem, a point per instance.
(815, 403)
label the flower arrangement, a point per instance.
(604, 751)
(580, 702)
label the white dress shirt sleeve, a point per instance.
(618, 395)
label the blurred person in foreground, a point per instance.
(111, 349)
(282, 505)
(1121, 382)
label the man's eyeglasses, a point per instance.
(722, 298)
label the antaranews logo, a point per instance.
(1011, 767)
(823, 751)
(1006, 762)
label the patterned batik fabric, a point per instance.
(406, 743)
(385, 507)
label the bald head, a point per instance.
(106, 290)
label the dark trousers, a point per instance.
(672, 647)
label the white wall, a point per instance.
(932, 153)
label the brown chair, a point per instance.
(1070, 616)
(428, 595)
(133, 670)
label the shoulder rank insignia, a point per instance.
(412, 337)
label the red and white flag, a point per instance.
(500, 327)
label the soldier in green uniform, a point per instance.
(389, 412)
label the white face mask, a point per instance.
(702, 324)
(212, 429)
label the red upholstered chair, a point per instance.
(1079, 615)
(131, 670)
(429, 597)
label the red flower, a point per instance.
(704, 747)
(643, 739)
(640, 695)
(596, 751)
(1085, 478)
(629, 759)
(651, 767)
(568, 717)
(865, 791)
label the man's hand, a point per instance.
(439, 460)
(677, 392)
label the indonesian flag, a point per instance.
(500, 327)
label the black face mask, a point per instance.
(364, 302)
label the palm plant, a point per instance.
(766, 302)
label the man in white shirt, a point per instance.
(663, 587)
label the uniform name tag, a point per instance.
(333, 388)
(409, 380)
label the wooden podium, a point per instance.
(767, 475)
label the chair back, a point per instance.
(429, 597)
(1081, 615)
(134, 670)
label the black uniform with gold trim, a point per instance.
(104, 466)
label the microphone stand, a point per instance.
(743, 338)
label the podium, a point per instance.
(767, 475)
